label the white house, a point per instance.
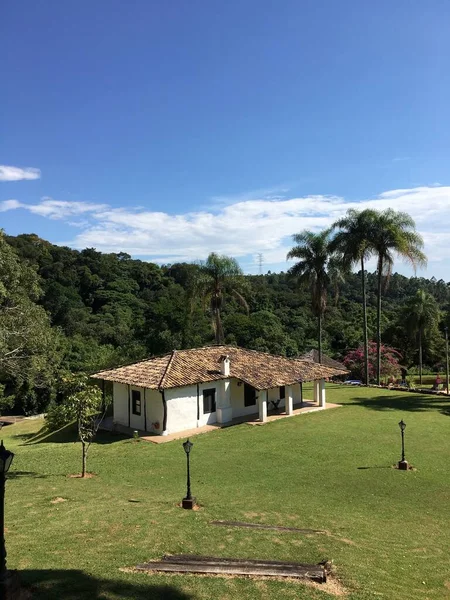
(187, 389)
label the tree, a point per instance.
(219, 276)
(353, 242)
(393, 233)
(354, 360)
(30, 350)
(86, 406)
(422, 317)
(313, 251)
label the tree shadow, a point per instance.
(21, 474)
(406, 401)
(69, 435)
(77, 585)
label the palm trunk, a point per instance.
(420, 356)
(218, 326)
(380, 279)
(83, 467)
(319, 322)
(366, 334)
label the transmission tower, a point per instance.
(260, 261)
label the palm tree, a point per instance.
(352, 241)
(219, 276)
(313, 251)
(393, 233)
(422, 316)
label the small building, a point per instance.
(187, 389)
(326, 360)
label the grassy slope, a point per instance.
(389, 534)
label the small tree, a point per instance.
(87, 407)
(355, 361)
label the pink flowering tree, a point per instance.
(390, 367)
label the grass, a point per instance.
(388, 532)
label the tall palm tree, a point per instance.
(219, 276)
(393, 233)
(353, 241)
(313, 253)
(422, 316)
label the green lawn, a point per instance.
(388, 531)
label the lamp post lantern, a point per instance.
(188, 502)
(6, 458)
(403, 464)
(446, 360)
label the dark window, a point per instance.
(136, 402)
(282, 392)
(209, 401)
(249, 395)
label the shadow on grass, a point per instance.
(405, 401)
(21, 474)
(375, 467)
(74, 585)
(68, 435)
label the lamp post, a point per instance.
(188, 501)
(446, 358)
(403, 464)
(5, 462)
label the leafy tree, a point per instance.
(393, 233)
(422, 317)
(353, 242)
(354, 360)
(85, 405)
(219, 276)
(313, 252)
(30, 351)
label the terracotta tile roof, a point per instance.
(199, 365)
(326, 360)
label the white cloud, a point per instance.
(240, 229)
(9, 205)
(9, 173)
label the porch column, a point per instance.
(223, 407)
(289, 400)
(262, 400)
(316, 390)
(322, 399)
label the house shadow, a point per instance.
(73, 585)
(407, 402)
(69, 435)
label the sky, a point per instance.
(169, 130)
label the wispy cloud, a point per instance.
(241, 229)
(9, 173)
(401, 158)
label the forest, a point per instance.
(68, 311)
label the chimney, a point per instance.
(225, 365)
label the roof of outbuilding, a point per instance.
(326, 360)
(199, 365)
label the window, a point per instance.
(282, 392)
(136, 402)
(209, 401)
(249, 395)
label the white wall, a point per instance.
(181, 408)
(155, 410)
(137, 421)
(208, 418)
(120, 403)
(237, 401)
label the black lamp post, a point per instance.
(403, 464)
(5, 462)
(188, 501)
(446, 358)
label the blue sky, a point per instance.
(172, 129)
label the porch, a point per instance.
(307, 407)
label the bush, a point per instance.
(59, 415)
